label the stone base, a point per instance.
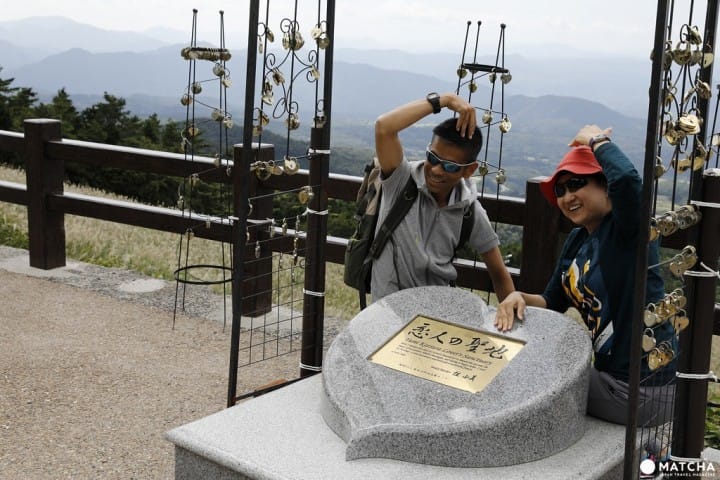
(533, 408)
(282, 435)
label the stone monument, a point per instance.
(531, 407)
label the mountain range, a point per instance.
(550, 96)
(37, 51)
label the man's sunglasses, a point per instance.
(447, 165)
(572, 185)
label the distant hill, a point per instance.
(55, 34)
(548, 99)
(360, 91)
(12, 56)
(618, 82)
(159, 72)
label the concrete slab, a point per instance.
(21, 264)
(282, 436)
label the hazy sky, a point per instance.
(611, 26)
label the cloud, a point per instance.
(615, 26)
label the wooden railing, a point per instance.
(45, 154)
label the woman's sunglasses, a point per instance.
(572, 185)
(447, 165)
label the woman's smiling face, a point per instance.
(588, 205)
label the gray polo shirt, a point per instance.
(421, 248)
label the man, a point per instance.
(422, 247)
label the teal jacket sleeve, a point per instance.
(624, 190)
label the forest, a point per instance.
(110, 122)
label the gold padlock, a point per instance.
(654, 232)
(666, 353)
(689, 256)
(689, 123)
(290, 165)
(680, 322)
(505, 125)
(305, 194)
(650, 318)
(653, 359)
(648, 340)
(678, 298)
(277, 76)
(677, 268)
(659, 169)
(682, 53)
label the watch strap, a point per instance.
(434, 100)
(596, 139)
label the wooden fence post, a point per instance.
(257, 282)
(541, 234)
(46, 228)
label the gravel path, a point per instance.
(92, 372)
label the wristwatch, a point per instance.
(596, 139)
(434, 100)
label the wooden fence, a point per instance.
(46, 154)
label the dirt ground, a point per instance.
(91, 381)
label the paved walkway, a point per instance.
(92, 372)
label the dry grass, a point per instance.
(155, 253)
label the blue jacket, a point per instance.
(596, 272)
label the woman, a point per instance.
(597, 188)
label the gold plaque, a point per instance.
(446, 353)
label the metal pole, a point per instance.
(711, 18)
(242, 158)
(314, 301)
(696, 341)
(630, 467)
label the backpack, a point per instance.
(365, 245)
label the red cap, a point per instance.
(579, 160)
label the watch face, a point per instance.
(434, 100)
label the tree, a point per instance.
(61, 108)
(107, 122)
(15, 104)
(170, 139)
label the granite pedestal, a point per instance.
(285, 434)
(532, 409)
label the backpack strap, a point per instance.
(395, 215)
(468, 223)
(397, 212)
